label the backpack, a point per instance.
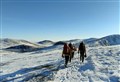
(82, 47)
(71, 46)
(65, 49)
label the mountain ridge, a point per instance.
(90, 42)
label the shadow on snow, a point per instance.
(44, 72)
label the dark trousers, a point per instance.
(66, 60)
(71, 56)
(82, 56)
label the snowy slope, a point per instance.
(104, 41)
(90, 42)
(74, 41)
(101, 65)
(95, 42)
(112, 39)
(59, 43)
(22, 48)
(46, 43)
(5, 43)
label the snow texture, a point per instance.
(45, 64)
(100, 65)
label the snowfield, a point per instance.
(102, 64)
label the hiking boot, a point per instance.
(65, 65)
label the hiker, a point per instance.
(72, 49)
(66, 53)
(82, 51)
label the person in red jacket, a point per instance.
(66, 53)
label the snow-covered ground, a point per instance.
(102, 64)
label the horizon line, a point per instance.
(57, 40)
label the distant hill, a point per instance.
(104, 41)
(73, 41)
(5, 43)
(59, 43)
(23, 45)
(111, 40)
(21, 48)
(94, 42)
(46, 42)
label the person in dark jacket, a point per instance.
(82, 51)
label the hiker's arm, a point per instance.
(85, 51)
(78, 51)
(62, 54)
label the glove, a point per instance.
(63, 56)
(85, 55)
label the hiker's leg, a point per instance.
(72, 54)
(66, 60)
(70, 57)
(82, 58)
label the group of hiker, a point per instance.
(69, 50)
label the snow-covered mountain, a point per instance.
(73, 41)
(112, 39)
(5, 43)
(21, 48)
(46, 42)
(104, 41)
(59, 43)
